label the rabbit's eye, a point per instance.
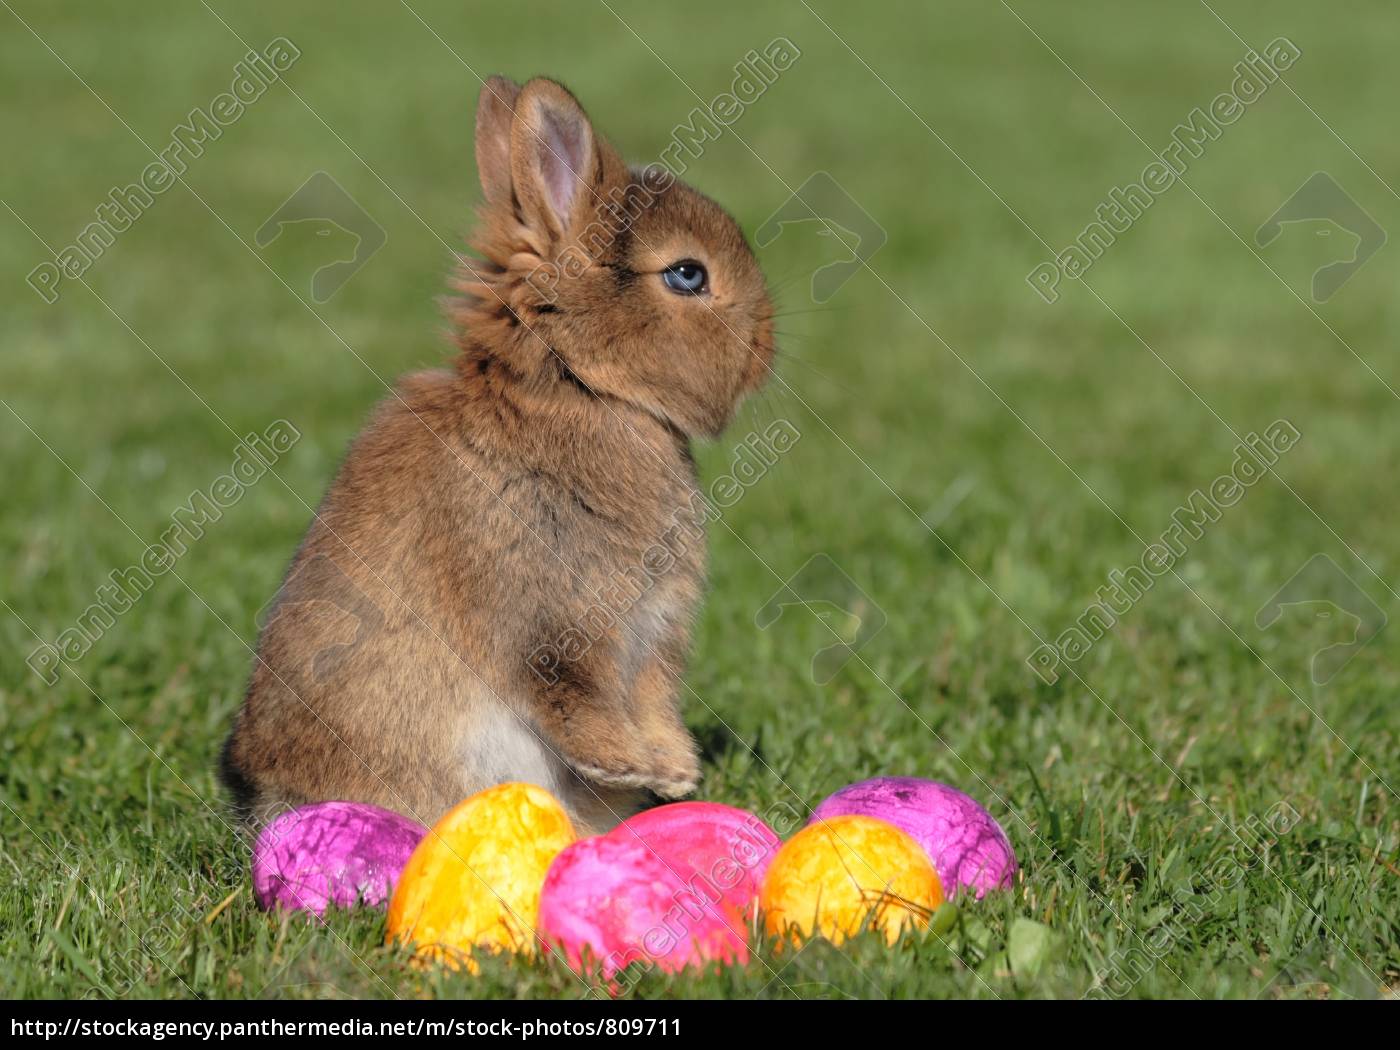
(685, 278)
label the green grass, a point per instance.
(1042, 444)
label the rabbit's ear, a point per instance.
(495, 111)
(554, 158)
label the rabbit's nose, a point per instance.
(761, 350)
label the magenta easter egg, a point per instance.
(608, 902)
(332, 853)
(729, 848)
(966, 844)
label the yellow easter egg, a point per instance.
(473, 884)
(845, 874)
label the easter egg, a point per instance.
(729, 848)
(847, 874)
(473, 883)
(610, 901)
(332, 853)
(968, 847)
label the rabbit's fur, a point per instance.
(487, 508)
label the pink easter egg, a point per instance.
(966, 844)
(609, 902)
(729, 848)
(332, 853)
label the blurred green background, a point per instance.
(975, 459)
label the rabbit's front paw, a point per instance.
(668, 766)
(669, 780)
(677, 780)
(675, 761)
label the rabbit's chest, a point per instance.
(649, 575)
(638, 580)
(638, 523)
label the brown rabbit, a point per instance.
(500, 583)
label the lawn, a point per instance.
(1202, 799)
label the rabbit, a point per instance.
(501, 581)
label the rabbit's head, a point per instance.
(616, 283)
